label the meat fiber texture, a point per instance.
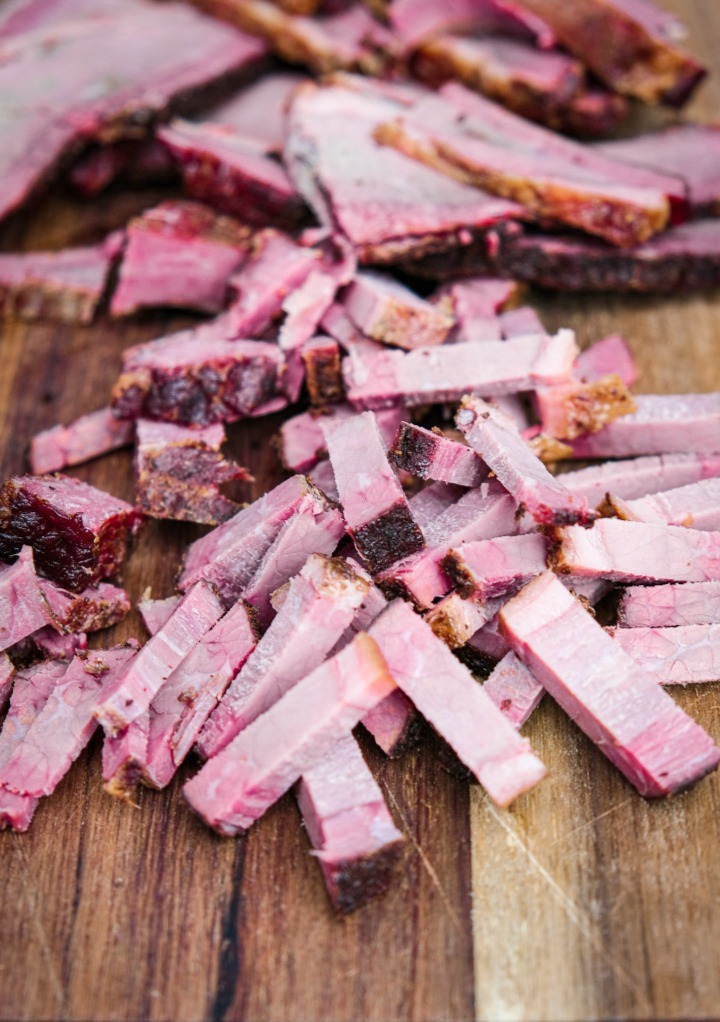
(471, 138)
(237, 786)
(375, 508)
(631, 46)
(379, 379)
(431, 501)
(614, 701)
(495, 439)
(156, 612)
(450, 699)
(609, 355)
(79, 534)
(198, 376)
(485, 569)
(476, 305)
(350, 827)
(575, 409)
(685, 258)
(94, 608)
(23, 608)
(320, 604)
(179, 471)
(258, 112)
(696, 506)
(514, 689)
(677, 655)
(133, 690)
(427, 454)
(221, 167)
(302, 440)
(66, 286)
(7, 677)
(670, 605)
(456, 620)
(109, 77)
(391, 313)
(391, 208)
(179, 254)
(89, 437)
(415, 20)
(633, 478)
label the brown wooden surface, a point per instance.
(582, 901)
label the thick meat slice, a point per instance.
(79, 534)
(476, 305)
(220, 166)
(441, 374)
(137, 161)
(428, 454)
(123, 758)
(431, 501)
(388, 206)
(7, 676)
(180, 254)
(198, 376)
(670, 605)
(179, 471)
(609, 355)
(455, 620)
(514, 689)
(323, 377)
(495, 439)
(156, 612)
(94, 608)
(636, 477)
(446, 694)
(391, 313)
(88, 437)
(520, 322)
(376, 511)
(320, 604)
(109, 77)
(302, 440)
(638, 552)
(618, 705)
(631, 45)
(66, 286)
(678, 655)
(350, 827)
(131, 693)
(23, 608)
(394, 724)
(236, 787)
(259, 111)
(416, 20)
(489, 568)
(49, 643)
(575, 409)
(696, 506)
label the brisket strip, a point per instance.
(88, 437)
(670, 605)
(680, 655)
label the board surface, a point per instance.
(582, 901)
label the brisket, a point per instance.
(259, 111)
(88, 437)
(476, 305)
(394, 724)
(609, 355)
(323, 378)
(431, 501)
(156, 612)
(636, 477)
(514, 689)
(489, 568)
(79, 534)
(23, 608)
(618, 705)
(138, 161)
(455, 620)
(416, 20)
(428, 454)
(123, 758)
(680, 655)
(520, 322)
(576, 409)
(7, 677)
(696, 506)
(387, 311)
(94, 608)
(666, 606)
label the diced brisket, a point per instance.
(679, 655)
(236, 787)
(319, 605)
(495, 439)
(323, 377)
(134, 689)
(350, 827)
(670, 605)
(514, 689)
(179, 471)
(79, 534)
(609, 355)
(376, 511)
(696, 506)
(387, 311)
(618, 705)
(428, 454)
(575, 409)
(394, 724)
(446, 694)
(304, 309)
(156, 612)
(593, 113)
(489, 568)
(259, 111)
(88, 437)
(23, 608)
(48, 643)
(446, 373)
(637, 477)
(455, 620)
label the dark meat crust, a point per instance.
(412, 451)
(352, 883)
(323, 375)
(388, 538)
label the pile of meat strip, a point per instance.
(363, 189)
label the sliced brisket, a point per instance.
(696, 506)
(576, 409)
(23, 608)
(391, 313)
(636, 477)
(88, 437)
(514, 689)
(323, 377)
(679, 655)
(7, 676)
(428, 454)
(489, 568)
(609, 355)
(259, 111)
(666, 606)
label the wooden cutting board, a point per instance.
(582, 901)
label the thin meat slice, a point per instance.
(94, 608)
(431, 501)
(696, 506)
(489, 568)
(446, 694)
(477, 305)
(320, 604)
(236, 787)
(670, 605)
(593, 113)
(376, 510)
(88, 437)
(391, 313)
(304, 309)
(258, 112)
(180, 254)
(637, 477)
(124, 756)
(323, 377)
(575, 409)
(631, 45)
(495, 439)
(520, 322)
(428, 454)
(415, 20)
(23, 608)
(79, 534)
(302, 438)
(221, 167)
(66, 286)
(156, 612)
(609, 355)
(48, 643)
(137, 161)
(614, 701)
(131, 693)
(456, 620)
(65, 724)
(352, 833)
(179, 471)
(7, 677)
(442, 374)
(637, 552)
(514, 689)
(678, 655)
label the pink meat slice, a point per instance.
(446, 373)
(321, 361)
(670, 605)
(65, 724)
(638, 552)
(49, 643)
(696, 506)
(609, 355)
(156, 612)
(7, 675)
(352, 833)
(456, 620)
(303, 441)
(320, 604)
(259, 111)
(679, 655)
(428, 454)
(577, 409)
(23, 608)
(376, 510)
(431, 501)
(614, 701)
(633, 478)
(133, 690)
(124, 756)
(236, 787)
(391, 313)
(520, 322)
(489, 568)
(415, 20)
(393, 723)
(446, 694)
(514, 689)
(94, 608)
(497, 442)
(88, 437)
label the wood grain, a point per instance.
(582, 901)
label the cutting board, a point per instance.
(581, 901)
